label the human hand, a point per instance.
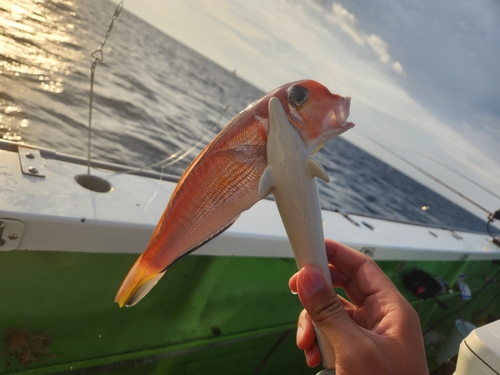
(377, 332)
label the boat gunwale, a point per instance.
(48, 153)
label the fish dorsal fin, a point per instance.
(317, 169)
(266, 182)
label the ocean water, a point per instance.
(154, 97)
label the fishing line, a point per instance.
(428, 174)
(98, 56)
(187, 150)
(456, 172)
(182, 153)
(154, 194)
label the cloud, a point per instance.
(349, 24)
(397, 67)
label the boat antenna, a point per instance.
(87, 181)
(429, 175)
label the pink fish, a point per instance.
(223, 180)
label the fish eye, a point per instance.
(297, 96)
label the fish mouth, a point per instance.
(341, 109)
(335, 122)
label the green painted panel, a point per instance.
(207, 315)
(69, 298)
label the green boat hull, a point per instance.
(224, 315)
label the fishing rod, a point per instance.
(428, 157)
(492, 216)
(432, 177)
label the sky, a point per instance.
(424, 77)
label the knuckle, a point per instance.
(323, 310)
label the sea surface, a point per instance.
(155, 97)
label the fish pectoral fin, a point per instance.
(317, 169)
(266, 182)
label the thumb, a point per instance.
(324, 306)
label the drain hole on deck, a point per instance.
(94, 183)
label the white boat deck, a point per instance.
(55, 213)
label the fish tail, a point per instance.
(138, 282)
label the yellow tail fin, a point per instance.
(138, 282)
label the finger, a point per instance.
(337, 279)
(313, 355)
(306, 340)
(364, 272)
(370, 288)
(306, 336)
(341, 280)
(348, 306)
(323, 306)
(356, 313)
(292, 283)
